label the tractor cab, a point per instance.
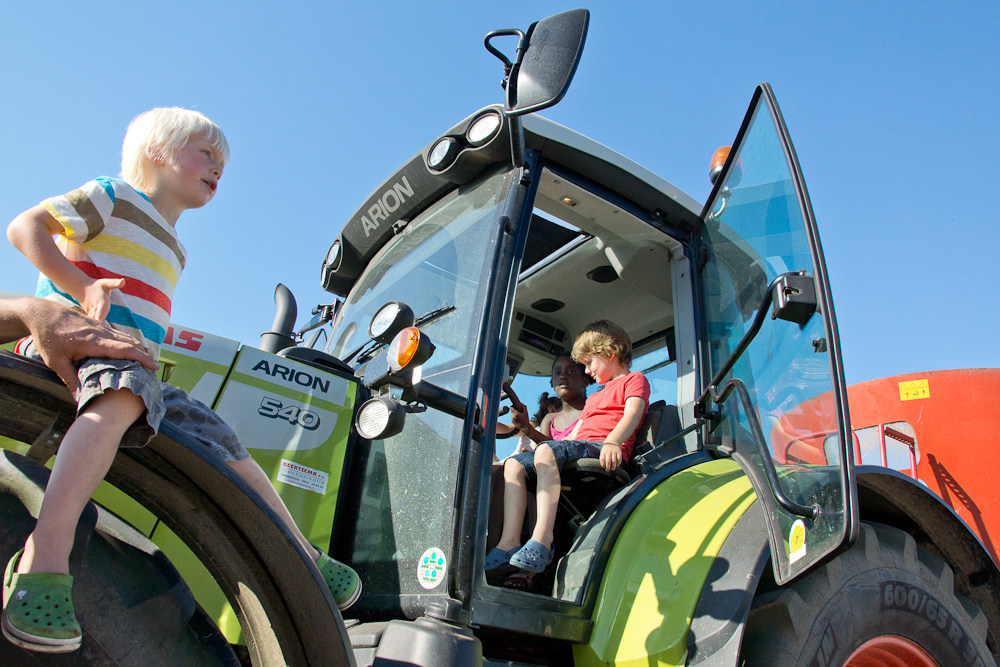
(478, 262)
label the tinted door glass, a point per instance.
(758, 226)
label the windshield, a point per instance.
(405, 502)
(435, 263)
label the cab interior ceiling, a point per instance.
(559, 266)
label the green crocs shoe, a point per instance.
(38, 610)
(344, 582)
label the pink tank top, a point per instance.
(561, 435)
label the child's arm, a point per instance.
(31, 233)
(541, 434)
(611, 452)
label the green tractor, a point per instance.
(741, 532)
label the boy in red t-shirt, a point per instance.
(606, 430)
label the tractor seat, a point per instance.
(585, 483)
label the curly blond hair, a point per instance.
(603, 338)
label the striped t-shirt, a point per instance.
(111, 230)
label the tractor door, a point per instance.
(775, 396)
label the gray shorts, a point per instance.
(164, 403)
(564, 451)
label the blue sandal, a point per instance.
(533, 557)
(497, 558)
(38, 610)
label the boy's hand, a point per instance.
(611, 456)
(97, 297)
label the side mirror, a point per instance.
(547, 57)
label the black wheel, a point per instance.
(285, 611)
(132, 604)
(883, 602)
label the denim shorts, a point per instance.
(564, 451)
(202, 423)
(164, 403)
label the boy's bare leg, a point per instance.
(84, 457)
(515, 504)
(546, 494)
(258, 480)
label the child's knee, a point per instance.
(514, 471)
(120, 403)
(544, 455)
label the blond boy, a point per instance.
(116, 256)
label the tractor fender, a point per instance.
(667, 559)
(716, 631)
(892, 498)
(286, 611)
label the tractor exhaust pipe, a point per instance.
(280, 335)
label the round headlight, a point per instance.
(389, 320)
(379, 418)
(330, 264)
(383, 318)
(443, 153)
(333, 255)
(483, 129)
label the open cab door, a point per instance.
(775, 397)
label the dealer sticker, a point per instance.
(912, 390)
(797, 542)
(299, 475)
(430, 569)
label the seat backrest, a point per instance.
(649, 430)
(657, 452)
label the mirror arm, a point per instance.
(757, 437)
(507, 64)
(780, 283)
(516, 141)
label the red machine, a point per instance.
(950, 420)
(940, 427)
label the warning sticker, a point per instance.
(430, 569)
(911, 390)
(797, 541)
(303, 477)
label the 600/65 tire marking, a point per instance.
(900, 596)
(273, 408)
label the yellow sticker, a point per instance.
(796, 541)
(914, 389)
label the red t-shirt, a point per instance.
(605, 409)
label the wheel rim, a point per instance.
(890, 651)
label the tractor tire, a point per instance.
(132, 604)
(285, 610)
(882, 602)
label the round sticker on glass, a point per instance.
(430, 569)
(797, 541)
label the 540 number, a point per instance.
(293, 414)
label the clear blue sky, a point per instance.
(892, 107)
